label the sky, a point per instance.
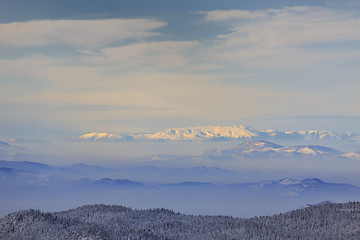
(70, 67)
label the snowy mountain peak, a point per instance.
(312, 181)
(95, 136)
(177, 134)
(219, 133)
(311, 150)
(265, 146)
(258, 145)
(303, 182)
(265, 149)
(289, 181)
(203, 133)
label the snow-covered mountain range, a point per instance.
(299, 185)
(242, 154)
(218, 133)
(259, 148)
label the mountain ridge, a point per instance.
(219, 133)
(260, 146)
(196, 190)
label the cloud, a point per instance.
(101, 108)
(287, 37)
(225, 15)
(77, 33)
(291, 27)
(161, 55)
(110, 77)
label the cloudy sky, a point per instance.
(69, 67)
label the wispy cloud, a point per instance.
(225, 15)
(101, 108)
(284, 35)
(157, 55)
(78, 33)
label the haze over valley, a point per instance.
(255, 177)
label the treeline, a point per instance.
(326, 221)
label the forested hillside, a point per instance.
(325, 221)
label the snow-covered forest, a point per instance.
(323, 221)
